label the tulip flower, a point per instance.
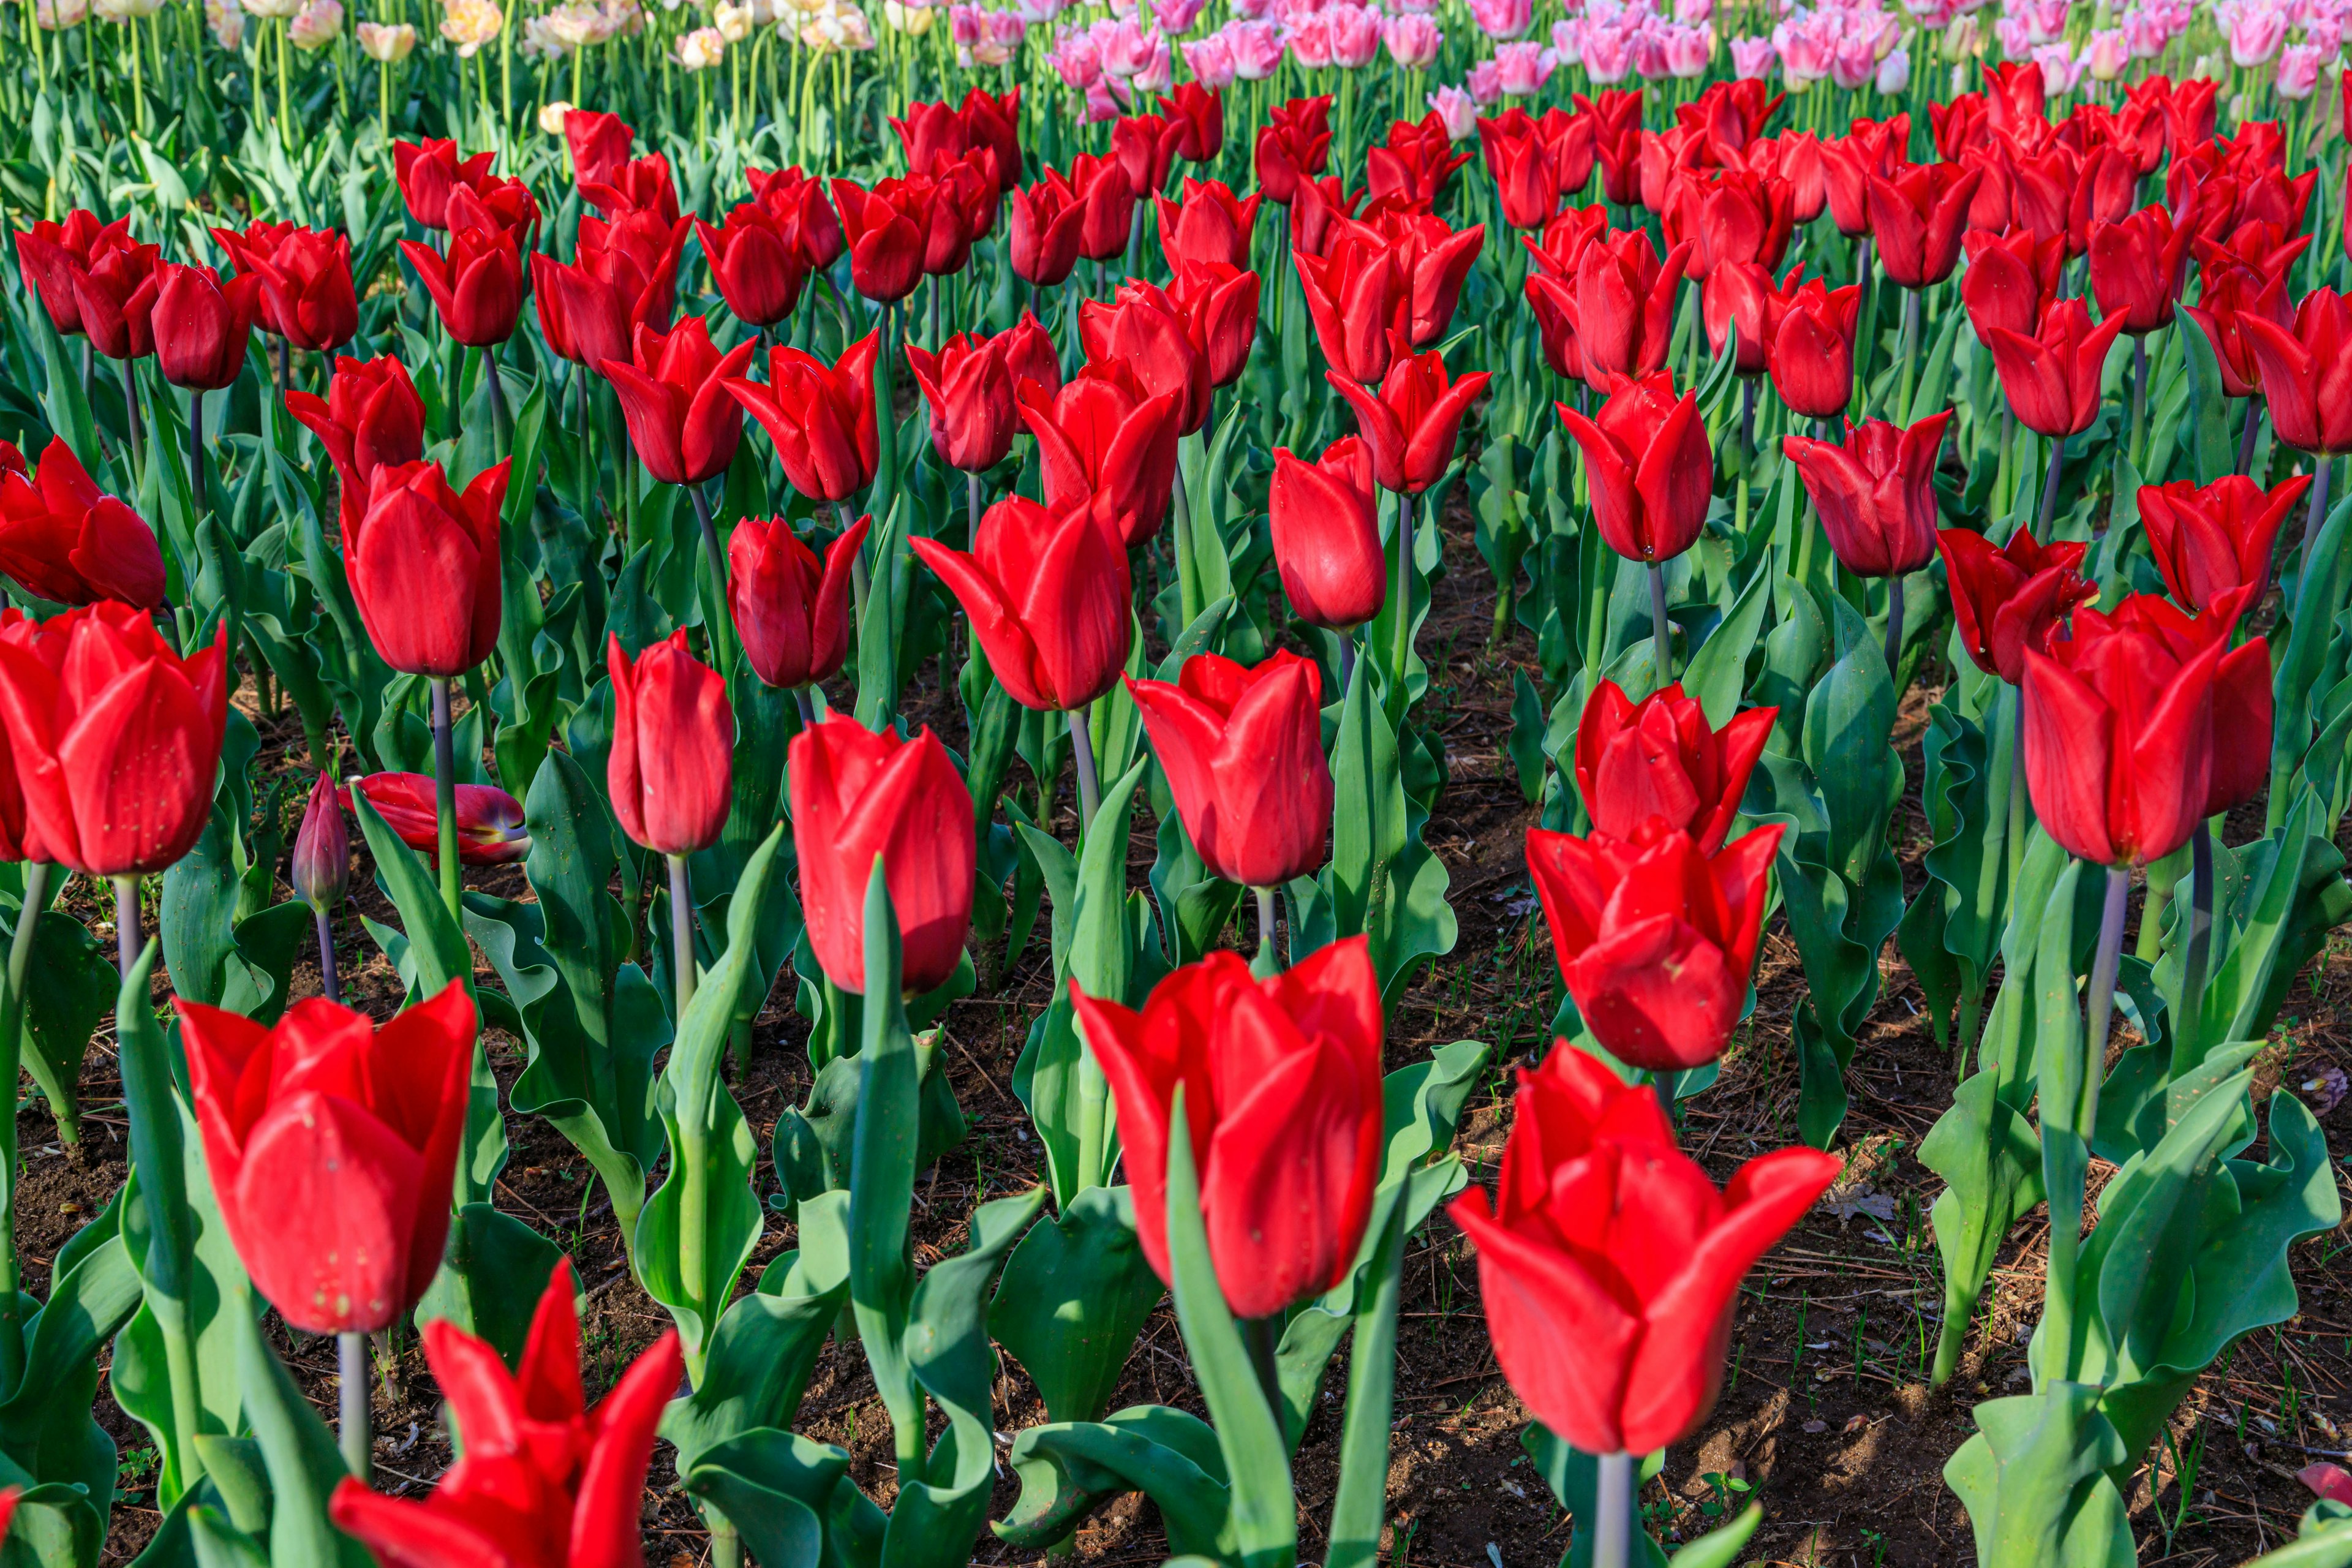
(962, 209)
(1433, 260)
(1848, 162)
(1413, 423)
(1559, 250)
(50, 255)
(1030, 355)
(2119, 730)
(1243, 752)
(2211, 540)
(2102, 191)
(2136, 268)
(1106, 445)
(2241, 683)
(1211, 223)
(1102, 187)
(1959, 125)
(858, 797)
(1294, 144)
(331, 1145)
(1731, 216)
(1143, 329)
(1655, 938)
(970, 391)
(930, 135)
(673, 393)
(428, 171)
(993, 122)
(1527, 173)
(1047, 593)
(2228, 295)
(1145, 145)
(886, 239)
(637, 185)
(1917, 217)
(476, 287)
(1623, 306)
(1198, 113)
(2052, 378)
(202, 325)
(116, 738)
(1282, 1092)
(820, 416)
(1809, 349)
(758, 267)
(799, 203)
(1042, 232)
(623, 276)
(115, 295)
(1610, 1266)
(2301, 373)
(599, 145)
(1735, 307)
(2006, 600)
(1876, 493)
(370, 418)
(671, 772)
(790, 606)
(2011, 281)
(491, 830)
(1651, 470)
(1617, 143)
(1357, 301)
(1660, 758)
(424, 567)
(1218, 306)
(65, 540)
(1325, 520)
(307, 296)
(1316, 209)
(532, 1451)
(1416, 162)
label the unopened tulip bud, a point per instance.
(321, 872)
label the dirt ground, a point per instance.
(1825, 1418)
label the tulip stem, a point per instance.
(12, 1050)
(715, 613)
(2050, 486)
(1661, 628)
(2322, 469)
(2254, 410)
(137, 449)
(351, 1374)
(1262, 1337)
(1269, 945)
(330, 985)
(1612, 1511)
(681, 934)
(196, 452)
(2100, 1000)
(1895, 631)
(2139, 402)
(1082, 757)
(501, 421)
(445, 802)
(1910, 351)
(2018, 798)
(127, 944)
(2188, 1040)
(2001, 502)
(807, 707)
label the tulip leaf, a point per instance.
(2214, 451)
(302, 1457)
(1950, 931)
(1075, 1292)
(490, 1280)
(435, 945)
(2035, 1481)
(2325, 1541)
(1069, 1468)
(2317, 595)
(880, 620)
(777, 1489)
(1718, 670)
(64, 402)
(69, 989)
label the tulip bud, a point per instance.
(322, 871)
(1243, 752)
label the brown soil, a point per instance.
(1825, 1414)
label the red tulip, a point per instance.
(1432, 260)
(1736, 305)
(116, 738)
(820, 416)
(1916, 215)
(970, 391)
(428, 171)
(623, 276)
(478, 287)
(1030, 355)
(50, 254)
(2303, 372)
(1357, 301)
(1415, 162)
(2119, 736)
(1218, 308)
(931, 134)
(1617, 143)
(2010, 280)
(756, 264)
(331, 1145)
(491, 830)
(1047, 593)
(1108, 445)
(202, 326)
(1282, 1092)
(370, 418)
(1143, 329)
(424, 567)
(671, 774)
(1566, 237)
(1527, 173)
(1731, 217)
(641, 184)
(1200, 114)
(2229, 295)
(2014, 103)
(2241, 683)
(1243, 751)
(115, 295)
(2188, 114)
(1848, 162)
(963, 210)
(307, 296)
(1145, 145)
(2211, 540)
(791, 608)
(320, 870)
(599, 145)
(1648, 465)
(1316, 209)
(858, 797)
(1042, 235)
(1573, 141)
(1415, 423)
(2006, 600)
(1796, 157)
(506, 206)
(1959, 125)
(1102, 187)
(1294, 144)
(1877, 494)
(65, 540)
(673, 394)
(542, 1481)
(1610, 1266)
(1325, 520)
(2052, 379)
(2136, 268)
(1622, 305)
(1660, 758)
(799, 203)
(886, 230)
(2102, 191)
(1810, 348)
(995, 122)
(1209, 225)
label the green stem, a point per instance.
(715, 611)
(1269, 948)
(1082, 753)
(445, 802)
(2101, 1002)
(12, 1050)
(352, 1376)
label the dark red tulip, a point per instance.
(1415, 422)
(931, 134)
(758, 267)
(1649, 465)
(858, 797)
(1243, 751)
(2011, 279)
(2188, 113)
(1316, 209)
(2106, 185)
(1917, 216)
(1959, 125)
(1142, 328)
(623, 276)
(1107, 444)
(2008, 599)
(1109, 197)
(425, 567)
(1565, 237)
(1211, 223)
(671, 772)
(2014, 100)
(970, 186)
(1415, 162)
(885, 229)
(1145, 145)
(371, 418)
(1294, 144)
(2229, 295)
(820, 416)
(993, 122)
(1622, 305)
(202, 326)
(599, 145)
(1660, 758)
(2211, 540)
(115, 295)
(799, 203)
(2303, 372)
(2242, 712)
(1357, 301)
(641, 184)
(1042, 234)
(1849, 161)
(2136, 268)
(1433, 260)
(1047, 594)
(970, 391)
(1732, 216)
(1877, 494)
(1325, 520)
(320, 870)
(1218, 306)
(1527, 173)
(1617, 143)
(790, 607)
(1030, 355)
(1669, 159)
(428, 171)
(50, 254)
(1200, 112)
(490, 826)
(1810, 350)
(1281, 1079)
(306, 279)
(673, 391)
(2052, 378)
(478, 287)
(66, 540)
(1735, 307)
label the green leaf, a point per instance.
(2034, 1481)
(1068, 1469)
(436, 944)
(300, 1454)
(1075, 1293)
(490, 1281)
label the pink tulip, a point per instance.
(1503, 19)
(1521, 70)
(1752, 59)
(1688, 51)
(1457, 109)
(1257, 48)
(1412, 41)
(1211, 60)
(1355, 34)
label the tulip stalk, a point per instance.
(715, 611)
(1661, 629)
(2050, 483)
(12, 1050)
(445, 801)
(2101, 1002)
(2186, 1035)
(352, 1375)
(1082, 757)
(1269, 949)
(1612, 1522)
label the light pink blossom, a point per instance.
(1485, 84)
(1752, 59)
(1457, 109)
(1257, 46)
(2298, 70)
(1503, 19)
(1412, 41)
(1211, 60)
(1521, 70)
(1355, 34)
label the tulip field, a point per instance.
(1439, 782)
